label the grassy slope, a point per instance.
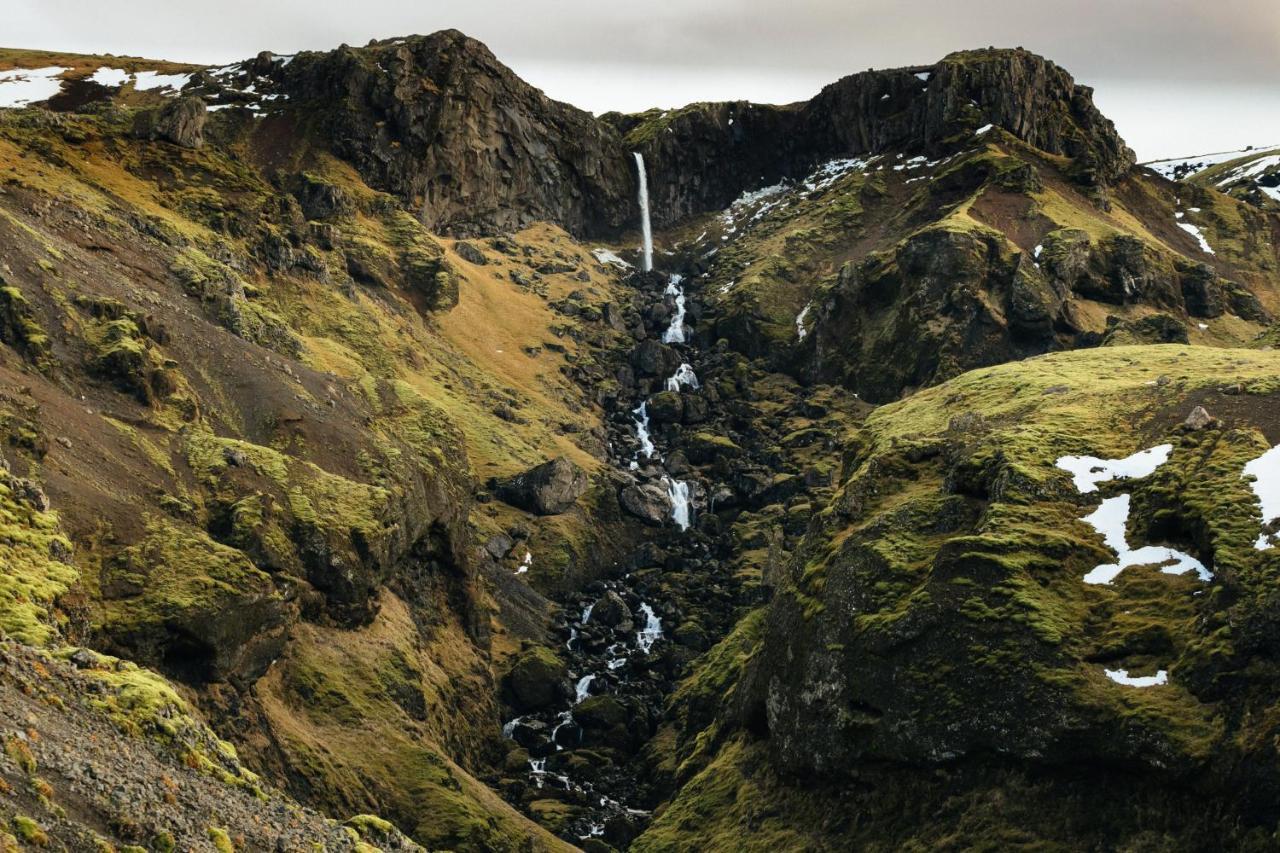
(769, 269)
(1010, 423)
(131, 473)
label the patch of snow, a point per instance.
(1202, 326)
(1265, 471)
(1037, 250)
(1195, 232)
(145, 81)
(1110, 519)
(1088, 471)
(525, 564)
(605, 256)
(1122, 676)
(1184, 167)
(983, 129)
(923, 75)
(22, 86)
(884, 97)
(111, 77)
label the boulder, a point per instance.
(470, 253)
(536, 680)
(1199, 419)
(611, 610)
(647, 502)
(546, 489)
(650, 358)
(666, 407)
(180, 121)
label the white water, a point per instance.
(1266, 487)
(583, 688)
(645, 230)
(684, 375)
(525, 563)
(642, 435)
(652, 630)
(1088, 471)
(801, 331)
(675, 332)
(1110, 519)
(678, 491)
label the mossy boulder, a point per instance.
(537, 679)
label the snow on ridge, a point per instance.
(1177, 168)
(146, 81)
(22, 86)
(110, 77)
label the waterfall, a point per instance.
(675, 332)
(678, 491)
(652, 630)
(645, 230)
(684, 375)
(583, 689)
(642, 434)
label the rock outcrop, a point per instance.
(546, 489)
(181, 122)
(440, 122)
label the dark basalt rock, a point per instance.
(647, 502)
(181, 122)
(547, 489)
(536, 680)
(440, 122)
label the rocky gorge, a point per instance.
(396, 458)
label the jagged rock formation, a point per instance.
(441, 123)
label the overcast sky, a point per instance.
(1177, 76)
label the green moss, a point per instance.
(29, 832)
(32, 548)
(220, 840)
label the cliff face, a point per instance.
(441, 123)
(702, 157)
(438, 121)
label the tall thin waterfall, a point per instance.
(644, 213)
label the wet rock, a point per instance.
(547, 489)
(648, 502)
(666, 407)
(611, 610)
(651, 358)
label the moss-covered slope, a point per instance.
(936, 634)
